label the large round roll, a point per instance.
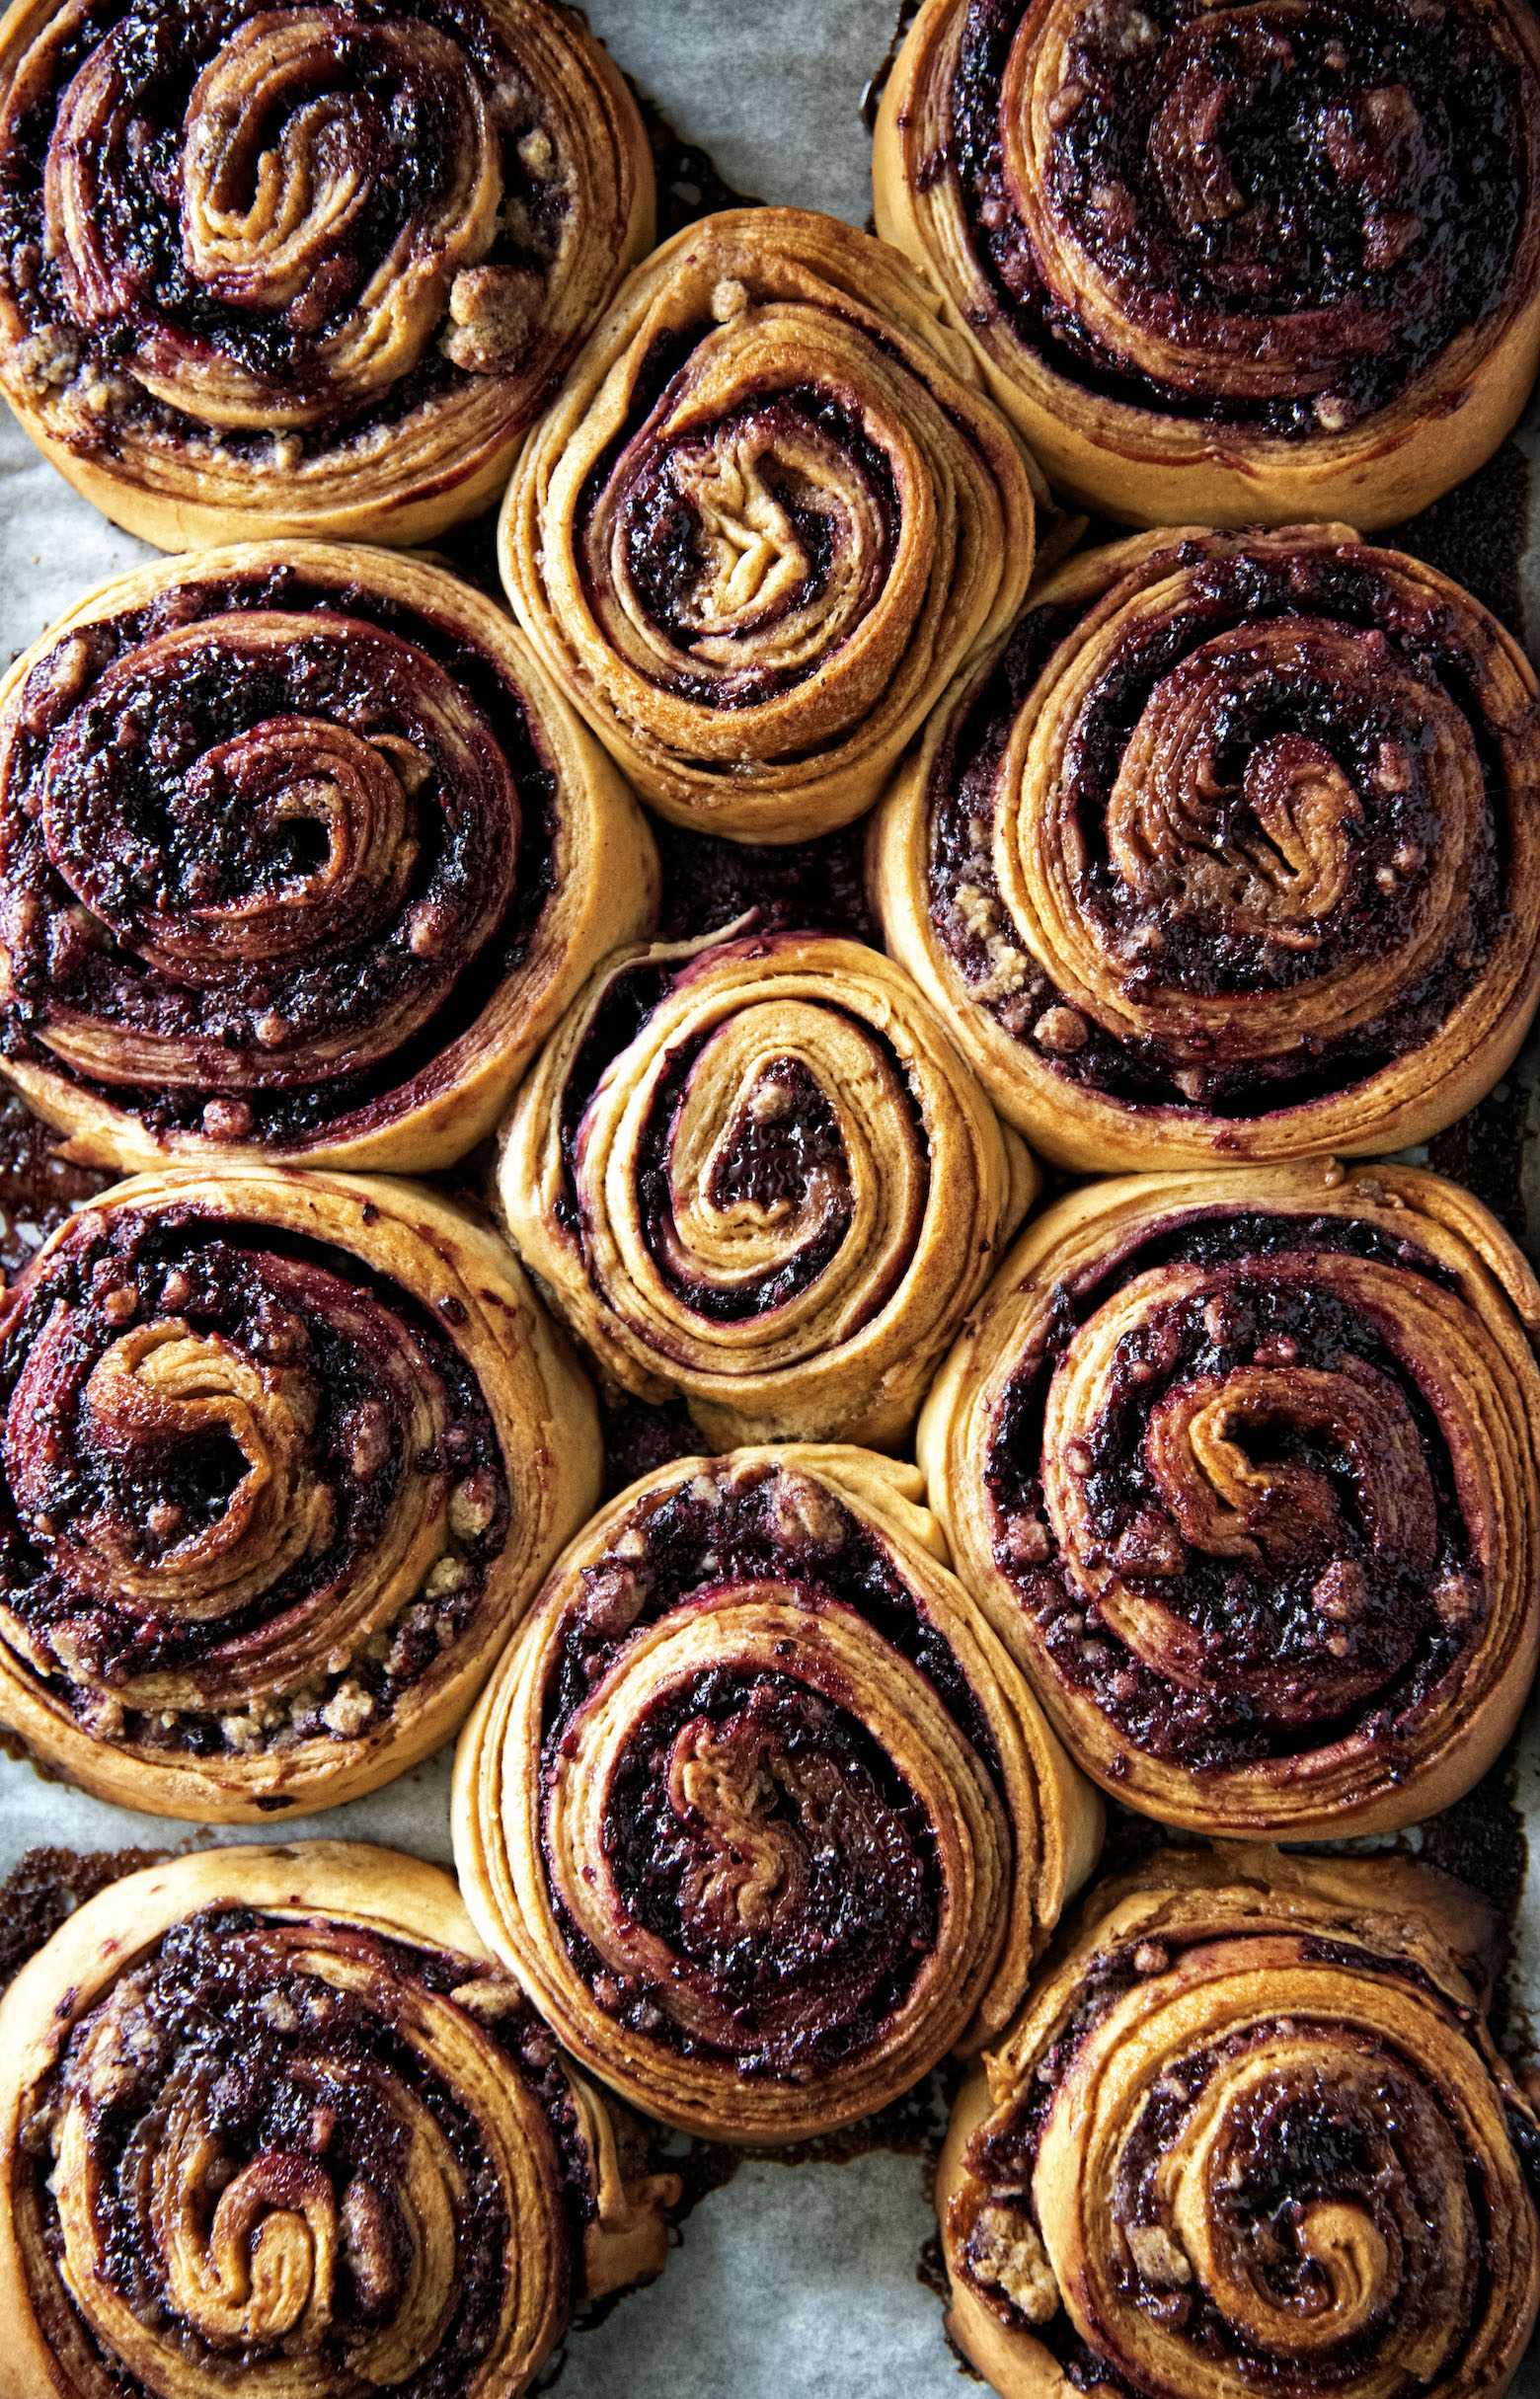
(284, 1458)
(765, 519)
(756, 1807)
(1230, 852)
(274, 2116)
(308, 270)
(1231, 263)
(757, 1173)
(301, 857)
(1243, 1468)
(1251, 2133)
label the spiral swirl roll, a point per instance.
(1251, 2131)
(301, 857)
(763, 522)
(307, 270)
(757, 1173)
(1231, 852)
(756, 1807)
(1243, 1469)
(274, 2113)
(1231, 264)
(284, 1458)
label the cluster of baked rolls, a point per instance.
(801, 1535)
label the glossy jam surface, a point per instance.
(765, 1838)
(38, 1187)
(710, 882)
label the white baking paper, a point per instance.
(790, 2282)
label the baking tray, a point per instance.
(801, 2278)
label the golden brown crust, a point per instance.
(410, 1442)
(413, 375)
(1226, 854)
(259, 2275)
(847, 516)
(1239, 2023)
(1216, 1639)
(811, 1665)
(1149, 459)
(467, 823)
(837, 1185)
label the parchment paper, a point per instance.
(790, 2282)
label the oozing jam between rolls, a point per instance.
(269, 845)
(250, 1492)
(1275, 216)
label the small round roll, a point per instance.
(756, 1807)
(284, 1460)
(303, 270)
(1231, 264)
(1230, 852)
(1243, 1468)
(301, 857)
(1251, 2131)
(764, 522)
(274, 2113)
(757, 1173)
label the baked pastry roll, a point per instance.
(1231, 852)
(1231, 264)
(39, 1188)
(756, 1807)
(1251, 2131)
(757, 1173)
(274, 2114)
(301, 857)
(1242, 1467)
(284, 1459)
(308, 270)
(764, 520)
